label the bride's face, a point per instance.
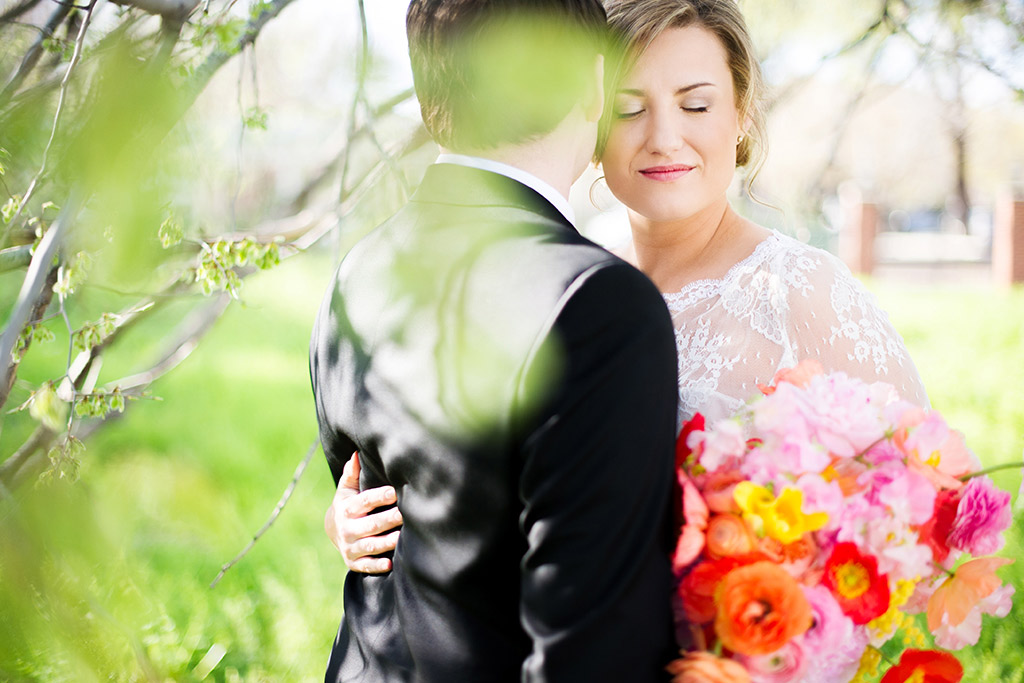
(671, 149)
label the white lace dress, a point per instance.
(784, 303)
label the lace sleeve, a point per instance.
(834, 319)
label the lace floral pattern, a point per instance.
(784, 303)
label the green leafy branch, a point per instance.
(216, 269)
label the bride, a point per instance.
(746, 301)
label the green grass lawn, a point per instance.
(108, 578)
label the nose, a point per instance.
(664, 131)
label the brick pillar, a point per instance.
(857, 232)
(1008, 240)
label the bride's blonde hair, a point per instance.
(636, 23)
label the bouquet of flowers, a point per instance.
(818, 521)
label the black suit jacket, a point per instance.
(517, 385)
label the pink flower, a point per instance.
(822, 496)
(883, 453)
(834, 644)
(955, 458)
(846, 415)
(695, 521)
(910, 496)
(723, 443)
(785, 664)
(981, 517)
(925, 438)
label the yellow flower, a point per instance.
(780, 518)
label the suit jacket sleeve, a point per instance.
(596, 583)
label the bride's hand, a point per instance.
(354, 531)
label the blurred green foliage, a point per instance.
(107, 578)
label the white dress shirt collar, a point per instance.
(517, 174)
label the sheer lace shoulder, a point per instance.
(784, 303)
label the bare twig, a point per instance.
(185, 342)
(336, 158)
(851, 106)
(883, 18)
(79, 41)
(362, 68)
(273, 515)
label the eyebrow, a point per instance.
(680, 91)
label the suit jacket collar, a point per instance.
(459, 185)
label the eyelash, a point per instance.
(627, 115)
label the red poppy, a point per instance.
(925, 666)
(695, 424)
(935, 532)
(853, 578)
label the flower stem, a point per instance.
(989, 470)
(882, 655)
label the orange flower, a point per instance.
(959, 595)
(845, 472)
(799, 376)
(704, 667)
(795, 558)
(718, 488)
(925, 666)
(729, 536)
(760, 608)
(697, 590)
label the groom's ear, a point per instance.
(593, 104)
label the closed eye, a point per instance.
(696, 110)
(626, 115)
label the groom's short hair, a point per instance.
(494, 72)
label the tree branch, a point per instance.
(34, 52)
(16, 10)
(273, 515)
(42, 301)
(185, 342)
(215, 61)
(12, 466)
(14, 258)
(171, 9)
(35, 280)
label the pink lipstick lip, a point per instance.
(666, 173)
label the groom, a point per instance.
(514, 382)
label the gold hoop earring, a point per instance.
(590, 194)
